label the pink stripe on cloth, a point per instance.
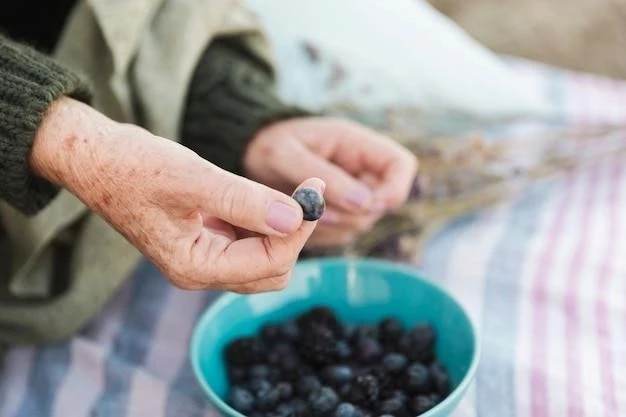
(603, 319)
(539, 330)
(575, 389)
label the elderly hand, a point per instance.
(201, 226)
(367, 174)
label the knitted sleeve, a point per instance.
(29, 83)
(231, 97)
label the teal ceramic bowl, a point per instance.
(360, 291)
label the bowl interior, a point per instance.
(359, 290)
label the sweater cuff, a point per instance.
(29, 83)
(231, 97)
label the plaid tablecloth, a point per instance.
(544, 277)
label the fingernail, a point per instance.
(282, 217)
(360, 196)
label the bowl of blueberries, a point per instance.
(345, 338)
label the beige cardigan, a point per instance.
(139, 55)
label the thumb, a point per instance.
(249, 205)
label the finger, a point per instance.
(338, 219)
(342, 189)
(254, 258)
(264, 285)
(393, 165)
(327, 237)
(247, 204)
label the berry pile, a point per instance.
(316, 366)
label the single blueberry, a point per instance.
(345, 410)
(290, 331)
(394, 362)
(270, 333)
(241, 399)
(343, 350)
(312, 203)
(417, 378)
(323, 401)
(308, 384)
(367, 350)
(285, 389)
(259, 371)
(290, 364)
(259, 386)
(348, 331)
(269, 400)
(366, 331)
(299, 406)
(237, 374)
(421, 343)
(393, 406)
(337, 374)
(345, 390)
(390, 329)
(285, 410)
(440, 379)
(421, 403)
(245, 351)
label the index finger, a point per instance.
(394, 168)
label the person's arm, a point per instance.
(29, 83)
(231, 97)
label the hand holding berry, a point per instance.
(366, 173)
(202, 226)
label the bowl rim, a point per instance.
(225, 299)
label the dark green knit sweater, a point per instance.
(231, 96)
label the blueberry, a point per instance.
(343, 350)
(259, 371)
(394, 362)
(268, 400)
(367, 350)
(237, 374)
(290, 331)
(421, 403)
(365, 390)
(285, 390)
(345, 390)
(422, 343)
(312, 203)
(241, 399)
(323, 401)
(417, 378)
(290, 364)
(285, 410)
(299, 406)
(346, 410)
(366, 331)
(337, 374)
(270, 332)
(348, 331)
(259, 386)
(308, 384)
(440, 379)
(244, 351)
(394, 406)
(390, 329)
